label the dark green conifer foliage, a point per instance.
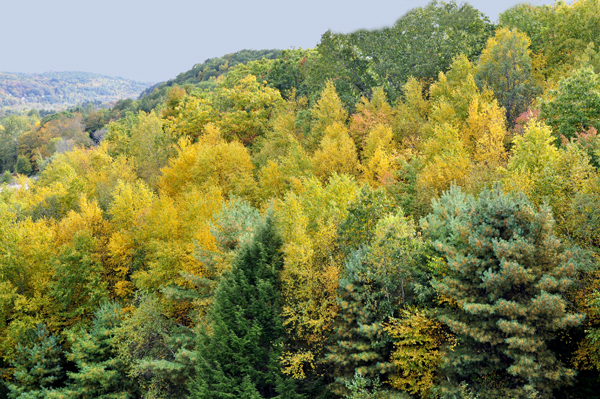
(239, 356)
(360, 344)
(101, 373)
(37, 365)
(506, 276)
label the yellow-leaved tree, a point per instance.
(246, 109)
(26, 247)
(328, 111)
(336, 153)
(465, 137)
(212, 161)
(308, 222)
(379, 155)
(370, 113)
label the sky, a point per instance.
(153, 41)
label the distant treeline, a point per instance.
(58, 90)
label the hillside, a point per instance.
(214, 67)
(203, 75)
(410, 212)
(59, 90)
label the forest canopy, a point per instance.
(408, 212)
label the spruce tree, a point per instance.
(101, 373)
(504, 285)
(238, 354)
(37, 365)
(359, 343)
(376, 280)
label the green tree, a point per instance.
(11, 129)
(361, 387)
(77, 287)
(360, 344)
(575, 106)
(358, 229)
(421, 43)
(505, 282)
(157, 351)
(505, 66)
(37, 364)
(561, 32)
(23, 165)
(101, 373)
(7, 177)
(376, 281)
(239, 356)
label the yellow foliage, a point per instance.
(411, 114)
(447, 161)
(326, 112)
(130, 203)
(189, 116)
(380, 136)
(92, 172)
(465, 136)
(158, 237)
(308, 224)
(337, 153)
(210, 162)
(26, 246)
(457, 87)
(296, 364)
(246, 109)
(271, 181)
(378, 154)
(535, 149)
(416, 354)
(485, 133)
(89, 218)
(277, 142)
(370, 113)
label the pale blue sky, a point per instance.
(154, 40)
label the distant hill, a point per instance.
(203, 75)
(60, 90)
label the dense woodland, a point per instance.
(60, 90)
(410, 212)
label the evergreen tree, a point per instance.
(101, 373)
(504, 285)
(238, 356)
(377, 280)
(37, 365)
(360, 342)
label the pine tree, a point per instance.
(505, 280)
(238, 357)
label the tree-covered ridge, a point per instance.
(277, 237)
(202, 75)
(60, 90)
